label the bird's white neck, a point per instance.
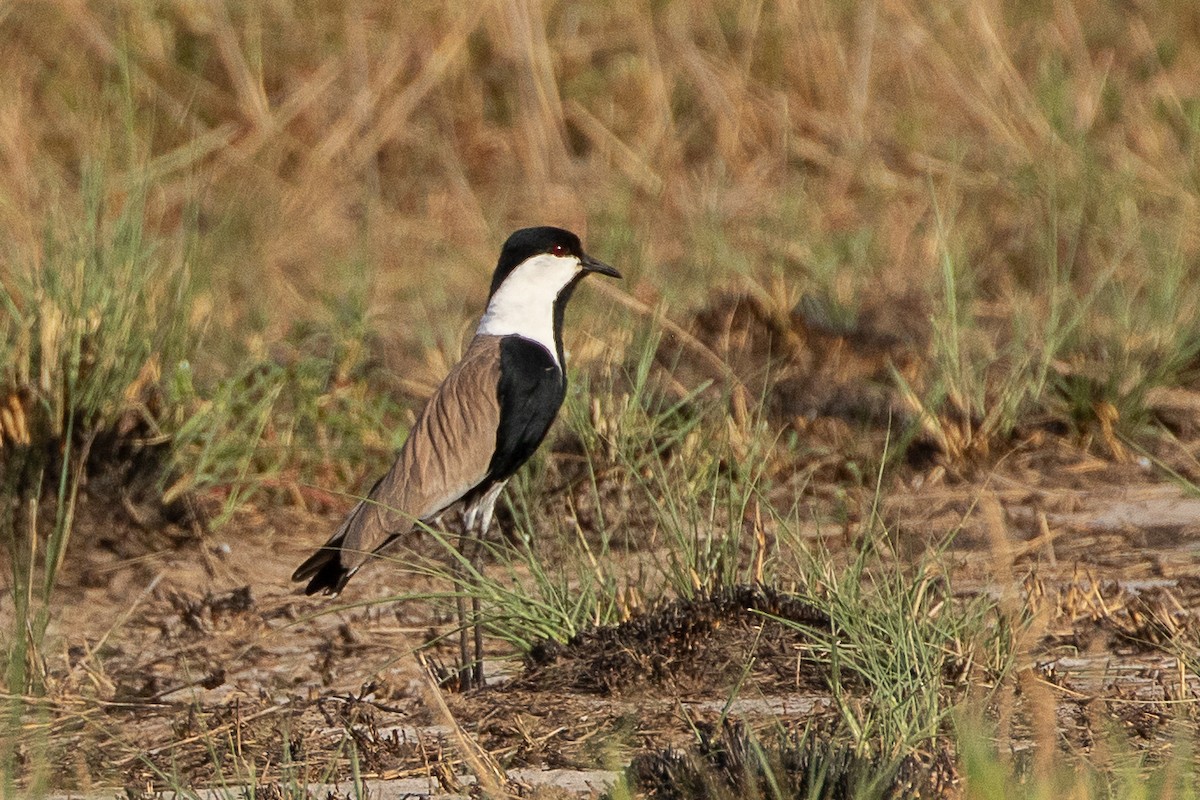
(523, 305)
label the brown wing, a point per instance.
(447, 454)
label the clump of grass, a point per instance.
(734, 763)
(900, 648)
(88, 330)
(1087, 349)
(811, 763)
(90, 322)
(695, 476)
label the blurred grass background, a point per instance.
(371, 153)
(1022, 174)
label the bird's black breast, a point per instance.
(531, 389)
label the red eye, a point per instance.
(558, 250)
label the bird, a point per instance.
(486, 418)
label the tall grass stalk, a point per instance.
(1115, 769)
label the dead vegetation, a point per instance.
(729, 762)
(680, 642)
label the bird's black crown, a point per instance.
(529, 242)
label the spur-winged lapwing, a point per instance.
(484, 421)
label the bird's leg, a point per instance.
(476, 522)
(476, 565)
(466, 565)
(460, 604)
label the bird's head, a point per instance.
(538, 270)
(541, 262)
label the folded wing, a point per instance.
(446, 455)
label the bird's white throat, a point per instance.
(524, 303)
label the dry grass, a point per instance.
(1024, 178)
(798, 141)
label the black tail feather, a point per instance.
(324, 571)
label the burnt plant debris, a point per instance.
(728, 761)
(669, 643)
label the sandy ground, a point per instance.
(173, 657)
